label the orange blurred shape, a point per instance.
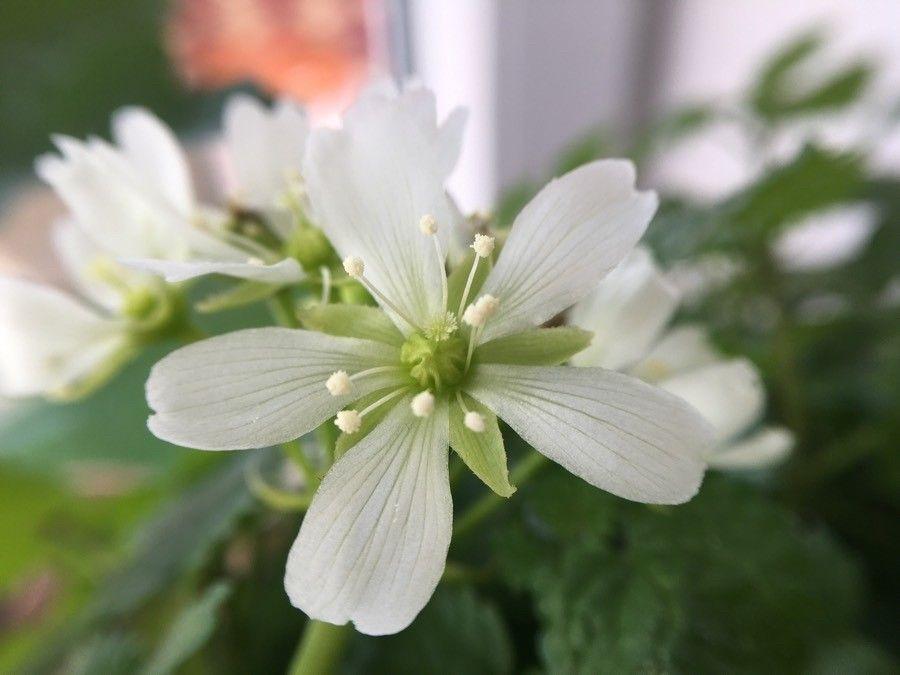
(315, 51)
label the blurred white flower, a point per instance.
(137, 201)
(629, 312)
(826, 239)
(56, 345)
(373, 544)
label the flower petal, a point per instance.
(680, 349)
(369, 184)
(373, 545)
(564, 241)
(627, 312)
(152, 149)
(264, 146)
(48, 340)
(256, 387)
(77, 252)
(286, 271)
(729, 395)
(614, 431)
(765, 447)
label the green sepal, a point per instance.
(358, 321)
(372, 419)
(538, 347)
(456, 282)
(238, 295)
(483, 452)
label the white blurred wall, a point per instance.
(536, 73)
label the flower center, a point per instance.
(434, 364)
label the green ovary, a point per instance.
(435, 365)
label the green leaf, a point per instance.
(238, 295)
(726, 583)
(779, 92)
(538, 347)
(456, 282)
(189, 632)
(370, 421)
(457, 632)
(110, 654)
(359, 321)
(591, 146)
(482, 452)
(169, 547)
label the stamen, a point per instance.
(422, 404)
(355, 267)
(483, 246)
(428, 225)
(348, 421)
(338, 383)
(384, 399)
(474, 421)
(476, 315)
(326, 284)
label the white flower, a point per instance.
(630, 311)
(373, 544)
(54, 345)
(137, 201)
(50, 342)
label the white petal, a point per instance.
(48, 340)
(764, 448)
(729, 394)
(370, 183)
(77, 252)
(284, 272)
(614, 431)
(680, 349)
(565, 241)
(152, 149)
(257, 387)
(264, 146)
(108, 198)
(626, 313)
(373, 545)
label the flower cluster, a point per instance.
(431, 358)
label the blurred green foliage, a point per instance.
(788, 570)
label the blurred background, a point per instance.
(771, 130)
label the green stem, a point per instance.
(294, 451)
(485, 506)
(320, 648)
(281, 305)
(275, 498)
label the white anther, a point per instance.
(348, 421)
(354, 266)
(483, 245)
(474, 316)
(428, 224)
(422, 404)
(258, 262)
(487, 304)
(474, 422)
(338, 383)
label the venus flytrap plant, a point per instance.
(407, 380)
